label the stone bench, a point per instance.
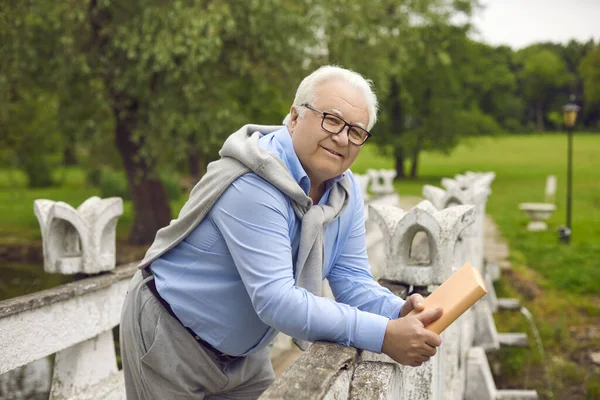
(538, 213)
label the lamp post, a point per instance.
(570, 116)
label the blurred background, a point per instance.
(133, 98)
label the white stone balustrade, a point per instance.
(399, 228)
(443, 376)
(476, 196)
(471, 248)
(81, 240)
(363, 181)
(474, 189)
(382, 181)
(74, 321)
(480, 382)
(469, 178)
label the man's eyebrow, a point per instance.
(336, 111)
(341, 115)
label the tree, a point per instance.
(404, 48)
(164, 74)
(590, 71)
(542, 74)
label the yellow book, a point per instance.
(455, 296)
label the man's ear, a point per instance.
(293, 116)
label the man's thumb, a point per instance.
(427, 317)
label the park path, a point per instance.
(495, 250)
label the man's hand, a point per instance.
(407, 341)
(414, 302)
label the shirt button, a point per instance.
(197, 337)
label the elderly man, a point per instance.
(246, 257)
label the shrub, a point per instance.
(114, 184)
(93, 177)
(172, 187)
(39, 171)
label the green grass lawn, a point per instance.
(19, 224)
(559, 283)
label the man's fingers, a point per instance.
(433, 339)
(417, 302)
(427, 317)
(428, 351)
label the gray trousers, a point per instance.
(161, 359)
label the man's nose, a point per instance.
(342, 137)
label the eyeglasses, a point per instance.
(334, 124)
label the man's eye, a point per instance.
(356, 133)
(333, 121)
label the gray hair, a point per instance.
(307, 93)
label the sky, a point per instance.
(519, 23)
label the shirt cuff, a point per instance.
(392, 308)
(370, 332)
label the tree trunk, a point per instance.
(397, 127)
(539, 110)
(150, 204)
(415, 158)
(69, 154)
(194, 159)
(416, 150)
(399, 159)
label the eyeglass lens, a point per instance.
(335, 125)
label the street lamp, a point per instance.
(570, 116)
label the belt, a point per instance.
(147, 272)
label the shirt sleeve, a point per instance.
(350, 277)
(254, 219)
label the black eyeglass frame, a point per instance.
(346, 124)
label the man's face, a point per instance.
(324, 155)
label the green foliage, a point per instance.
(593, 386)
(541, 71)
(114, 184)
(177, 77)
(556, 119)
(94, 176)
(172, 187)
(590, 70)
(29, 136)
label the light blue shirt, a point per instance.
(231, 279)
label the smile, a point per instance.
(332, 152)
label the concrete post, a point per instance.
(442, 377)
(81, 240)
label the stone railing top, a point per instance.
(399, 228)
(382, 180)
(313, 373)
(79, 240)
(363, 181)
(66, 291)
(454, 195)
(469, 178)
